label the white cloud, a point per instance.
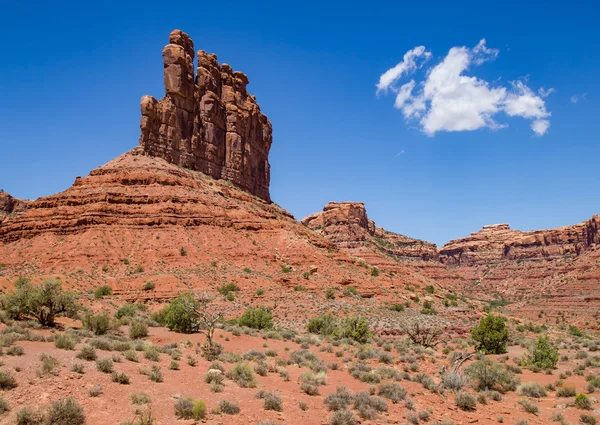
(407, 65)
(449, 100)
(577, 97)
(540, 127)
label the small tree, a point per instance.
(257, 318)
(543, 354)
(491, 334)
(356, 328)
(183, 314)
(43, 302)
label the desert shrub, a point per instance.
(272, 402)
(151, 353)
(256, 318)
(99, 324)
(87, 353)
(138, 329)
(228, 407)
(183, 314)
(397, 307)
(7, 381)
(306, 358)
(587, 419)
(543, 354)
(392, 391)
(491, 334)
(26, 416)
(65, 411)
(324, 324)
(48, 365)
(127, 310)
(428, 308)
(102, 291)
(528, 406)
(566, 392)
(139, 398)
(339, 400)
(243, 375)
(228, 288)
(15, 350)
(105, 365)
(368, 406)
(490, 375)
(64, 342)
(120, 378)
(583, 402)
(186, 408)
(453, 381)
(148, 286)
(155, 374)
(342, 417)
(43, 302)
(532, 389)
(465, 400)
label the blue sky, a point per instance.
(71, 78)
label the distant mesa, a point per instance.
(207, 121)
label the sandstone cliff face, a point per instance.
(496, 242)
(207, 121)
(10, 206)
(346, 224)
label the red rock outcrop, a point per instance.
(346, 224)
(499, 241)
(10, 206)
(207, 121)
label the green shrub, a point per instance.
(120, 378)
(491, 334)
(7, 381)
(532, 389)
(98, 324)
(583, 402)
(587, 419)
(242, 374)
(228, 288)
(228, 407)
(4, 406)
(397, 307)
(139, 398)
(49, 365)
(339, 400)
(355, 328)
(428, 308)
(324, 324)
(183, 314)
(64, 342)
(256, 318)
(184, 408)
(543, 354)
(65, 411)
(26, 416)
(566, 392)
(199, 410)
(87, 353)
(528, 406)
(105, 365)
(138, 329)
(342, 417)
(43, 302)
(465, 400)
(330, 293)
(148, 286)
(492, 376)
(15, 350)
(102, 291)
(392, 391)
(374, 272)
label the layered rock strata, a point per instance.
(207, 120)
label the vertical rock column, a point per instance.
(210, 124)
